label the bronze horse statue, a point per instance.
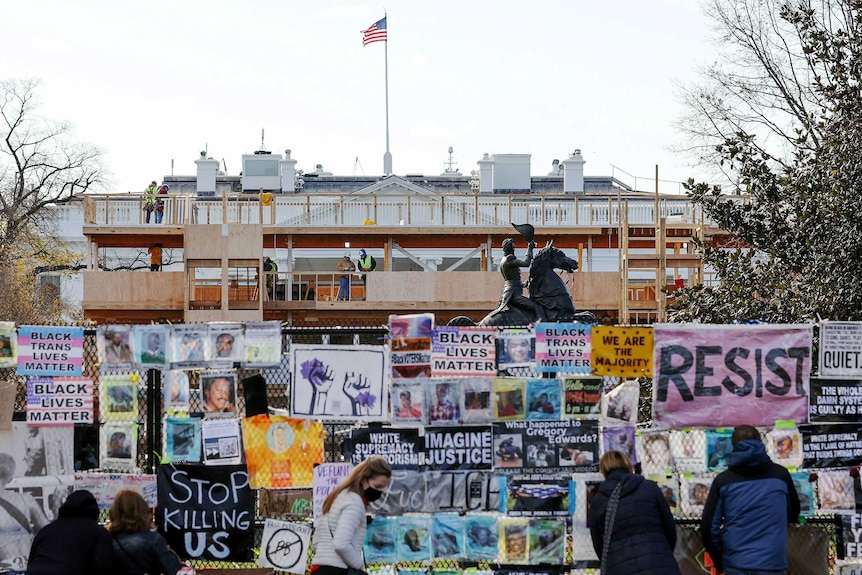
(545, 288)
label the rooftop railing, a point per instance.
(303, 210)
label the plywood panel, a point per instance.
(595, 290)
(133, 290)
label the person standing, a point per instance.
(155, 257)
(630, 522)
(159, 204)
(745, 518)
(74, 544)
(345, 265)
(270, 270)
(137, 547)
(366, 263)
(340, 533)
(150, 199)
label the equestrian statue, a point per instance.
(549, 298)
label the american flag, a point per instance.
(375, 33)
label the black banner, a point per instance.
(546, 446)
(465, 447)
(835, 401)
(439, 491)
(402, 448)
(206, 512)
(837, 445)
(852, 529)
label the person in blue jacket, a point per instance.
(642, 534)
(749, 506)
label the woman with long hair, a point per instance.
(339, 535)
(137, 547)
(630, 522)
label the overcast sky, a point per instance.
(160, 81)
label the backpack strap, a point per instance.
(16, 514)
(610, 516)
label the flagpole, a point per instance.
(387, 157)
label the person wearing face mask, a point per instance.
(340, 533)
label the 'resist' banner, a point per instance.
(726, 375)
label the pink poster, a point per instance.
(726, 375)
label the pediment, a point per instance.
(395, 186)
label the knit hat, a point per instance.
(362, 252)
(347, 254)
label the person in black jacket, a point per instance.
(137, 548)
(74, 544)
(749, 506)
(643, 533)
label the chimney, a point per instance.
(486, 174)
(206, 180)
(288, 174)
(573, 173)
(512, 174)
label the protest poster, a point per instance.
(224, 344)
(176, 390)
(360, 371)
(622, 351)
(105, 486)
(410, 345)
(413, 538)
(380, 540)
(408, 401)
(285, 503)
(187, 344)
(515, 347)
(50, 350)
(537, 495)
(835, 400)
(447, 536)
(284, 546)
(401, 448)
(119, 445)
(326, 477)
(206, 513)
(443, 399)
(477, 399)
(480, 541)
(439, 491)
(693, 491)
(785, 445)
(728, 375)
(547, 541)
(620, 403)
(718, 448)
(151, 346)
(836, 492)
(563, 348)
(280, 451)
(582, 396)
(464, 447)
(221, 441)
(688, 450)
(544, 399)
(8, 345)
(653, 449)
(804, 491)
(831, 445)
(119, 397)
(514, 540)
(58, 401)
(261, 344)
(840, 350)
(463, 352)
(115, 346)
(622, 439)
(510, 398)
(570, 445)
(183, 439)
(851, 525)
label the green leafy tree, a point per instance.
(795, 255)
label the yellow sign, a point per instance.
(622, 351)
(281, 452)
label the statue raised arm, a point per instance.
(513, 289)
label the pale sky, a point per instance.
(156, 81)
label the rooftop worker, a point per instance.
(150, 198)
(270, 270)
(159, 204)
(365, 263)
(155, 257)
(345, 265)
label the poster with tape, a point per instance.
(345, 382)
(402, 448)
(582, 396)
(728, 375)
(284, 503)
(439, 491)
(206, 512)
(105, 486)
(547, 446)
(464, 352)
(50, 350)
(538, 495)
(563, 348)
(835, 400)
(840, 350)
(622, 351)
(284, 546)
(465, 447)
(410, 345)
(57, 401)
(836, 445)
(327, 476)
(280, 451)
